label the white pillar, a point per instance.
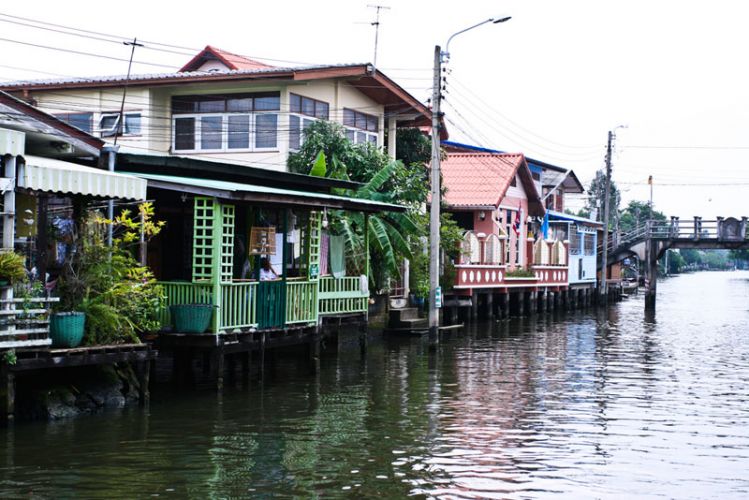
(392, 130)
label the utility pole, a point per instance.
(606, 201)
(376, 24)
(434, 213)
(119, 126)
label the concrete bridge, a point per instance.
(651, 241)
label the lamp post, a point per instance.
(434, 213)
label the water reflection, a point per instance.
(584, 405)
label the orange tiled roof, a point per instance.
(482, 179)
(231, 61)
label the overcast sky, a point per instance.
(549, 83)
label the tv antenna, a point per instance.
(376, 24)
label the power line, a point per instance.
(688, 147)
(79, 52)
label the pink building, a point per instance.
(495, 199)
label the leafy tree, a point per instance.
(691, 256)
(596, 198)
(636, 214)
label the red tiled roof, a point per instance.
(231, 61)
(482, 179)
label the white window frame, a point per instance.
(224, 132)
(112, 131)
(302, 119)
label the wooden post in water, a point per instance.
(652, 275)
(474, 305)
(143, 373)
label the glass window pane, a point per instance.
(372, 138)
(361, 137)
(239, 131)
(349, 117)
(266, 130)
(350, 134)
(268, 103)
(82, 121)
(210, 132)
(132, 123)
(295, 134)
(217, 106)
(243, 105)
(184, 105)
(295, 103)
(308, 106)
(107, 124)
(184, 133)
(361, 121)
(372, 123)
(321, 110)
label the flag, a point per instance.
(516, 224)
(545, 226)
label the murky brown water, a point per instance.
(604, 405)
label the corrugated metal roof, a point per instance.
(185, 75)
(56, 176)
(239, 188)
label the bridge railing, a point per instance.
(721, 229)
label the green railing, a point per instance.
(342, 295)
(301, 302)
(183, 292)
(244, 305)
(238, 305)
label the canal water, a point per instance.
(585, 405)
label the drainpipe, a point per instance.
(111, 152)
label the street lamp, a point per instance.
(434, 213)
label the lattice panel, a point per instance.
(204, 235)
(314, 240)
(227, 242)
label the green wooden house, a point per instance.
(220, 229)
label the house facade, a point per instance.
(494, 198)
(225, 107)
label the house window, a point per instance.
(83, 121)
(360, 127)
(108, 124)
(575, 241)
(514, 181)
(231, 122)
(589, 247)
(302, 112)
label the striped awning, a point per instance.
(56, 176)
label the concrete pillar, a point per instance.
(520, 299)
(392, 131)
(542, 302)
(7, 394)
(504, 302)
(217, 367)
(474, 305)
(489, 313)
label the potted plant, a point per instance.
(12, 268)
(106, 297)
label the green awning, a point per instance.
(263, 194)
